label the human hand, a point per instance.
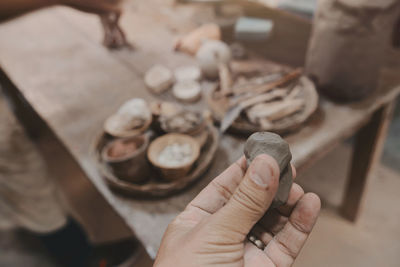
(213, 229)
(110, 12)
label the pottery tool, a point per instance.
(256, 82)
(256, 67)
(274, 110)
(263, 88)
(225, 79)
(234, 112)
(255, 95)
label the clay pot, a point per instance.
(159, 144)
(347, 46)
(127, 158)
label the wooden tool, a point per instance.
(233, 113)
(225, 79)
(269, 86)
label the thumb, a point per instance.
(251, 199)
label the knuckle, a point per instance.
(285, 249)
(222, 190)
(245, 198)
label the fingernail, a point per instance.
(260, 172)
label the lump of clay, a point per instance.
(187, 73)
(187, 91)
(211, 54)
(158, 79)
(273, 145)
(192, 41)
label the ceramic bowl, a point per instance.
(125, 133)
(131, 166)
(159, 144)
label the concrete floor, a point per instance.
(20, 249)
(374, 240)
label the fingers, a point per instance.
(219, 191)
(294, 172)
(296, 192)
(286, 245)
(216, 194)
(274, 219)
(253, 256)
(251, 199)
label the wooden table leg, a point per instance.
(366, 154)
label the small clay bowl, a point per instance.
(158, 145)
(202, 136)
(127, 158)
(126, 133)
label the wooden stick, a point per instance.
(290, 107)
(269, 86)
(277, 110)
(294, 92)
(225, 79)
(280, 93)
(234, 111)
(242, 88)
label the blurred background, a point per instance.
(48, 133)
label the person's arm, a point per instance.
(109, 11)
(13, 8)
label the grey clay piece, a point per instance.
(273, 145)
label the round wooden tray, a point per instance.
(156, 187)
(218, 108)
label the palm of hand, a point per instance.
(204, 239)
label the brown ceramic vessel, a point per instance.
(126, 158)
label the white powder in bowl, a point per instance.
(175, 155)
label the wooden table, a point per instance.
(65, 84)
